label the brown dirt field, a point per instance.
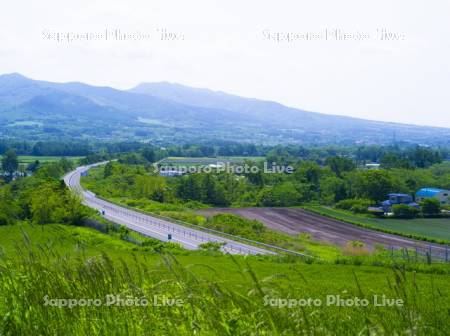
(294, 221)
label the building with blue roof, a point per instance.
(398, 199)
(441, 195)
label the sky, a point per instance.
(380, 60)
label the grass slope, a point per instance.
(220, 295)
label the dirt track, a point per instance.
(294, 221)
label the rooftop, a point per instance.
(429, 192)
(399, 195)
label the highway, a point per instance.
(152, 226)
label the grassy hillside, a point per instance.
(218, 295)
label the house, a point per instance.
(372, 165)
(170, 173)
(441, 195)
(398, 199)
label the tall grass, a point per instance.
(211, 305)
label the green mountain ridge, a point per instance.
(33, 110)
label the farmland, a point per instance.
(27, 159)
(434, 229)
(296, 221)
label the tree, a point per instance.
(279, 195)
(149, 154)
(152, 187)
(131, 159)
(392, 160)
(50, 170)
(190, 188)
(44, 203)
(308, 172)
(75, 213)
(430, 207)
(332, 189)
(51, 202)
(356, 205)
(339, 165)
(370, 184)
(32, 167)
(108, 170)
(10, 163)
(214, 192)
(256, 178)
(404, 211)
(65, 164)
(9, 209)
(424, 157)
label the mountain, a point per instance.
(259, 109)
(296, 121)
(173, 113)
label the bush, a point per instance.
(355, 248)
(404, 211)
(430, 207)
(184, 216)
(4, 220)
(356, 205)
(236, 225)
(211, 246)
(195, 205)
(279, 195)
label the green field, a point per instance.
(27, 159)
(219, 295)
(433, 229)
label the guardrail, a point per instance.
(421, 253)
(231, 237)
(208, 230)
(138, 218)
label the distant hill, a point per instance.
(173, 113)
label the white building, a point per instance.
(441, 195)
(372, 165)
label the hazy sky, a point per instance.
(241, 47)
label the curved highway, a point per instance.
(151, 226)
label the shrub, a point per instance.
(355, 248)
(236, 225)
(123, 231)
(356, 205)
(356, 243)
(404, 211)
(184, 216)
(211, 246)
(4, 220)
(194, 205)
(430, 207)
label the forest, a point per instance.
(327, 180)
